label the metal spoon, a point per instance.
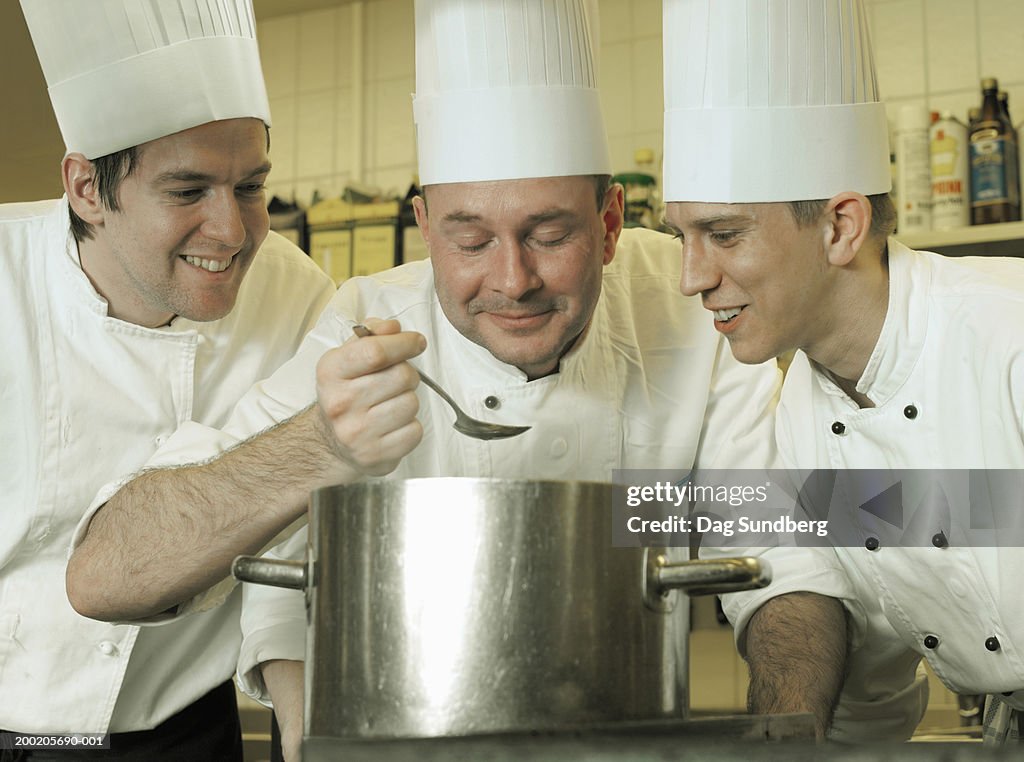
(464, 424)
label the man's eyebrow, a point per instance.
(192, 176)
(532, 220)
(672, 228)
(461, 217)
(706, 223)
(548, 215)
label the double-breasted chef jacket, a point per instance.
(947, 381)
(87, 398)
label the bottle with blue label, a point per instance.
(995, 196)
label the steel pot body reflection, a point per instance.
(455, 606)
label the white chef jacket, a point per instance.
(947, 379)
(650, 385)
(85, 398)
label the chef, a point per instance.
(906, 359)
(149, 295)
(537, 308)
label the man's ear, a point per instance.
(419, 208)
(849, 226)
(79, 176)
(613, 216)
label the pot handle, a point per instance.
(701, 577)
(270, 571)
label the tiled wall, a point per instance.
(323, 130)
(935, 52)
(928, 51)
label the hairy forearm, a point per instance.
(172, 533)
(796, 650)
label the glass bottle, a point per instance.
(993, 195)
(1013, 154)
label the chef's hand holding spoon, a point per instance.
(366, 394)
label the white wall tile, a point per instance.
(392, 123)
(318, 50)
(616, 86)
(1001, 27)
(345, 33)
(897, 29)
(283, 190)
(282, 138)
(279, 53)
(957, 102)
(315, 134)
(892, 112)
(344, 150)
(331, 186)
(952, 44)
(615, 20)
(621, 150)
(647, 90)
(392, 181)
(304, 192)
(390, 39)
(646, 17)
(305, 189)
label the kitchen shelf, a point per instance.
(1005, 239)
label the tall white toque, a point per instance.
(771, 100)
(124, 72)
(507, 89)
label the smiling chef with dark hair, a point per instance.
(131, 306)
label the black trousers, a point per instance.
(206, 731)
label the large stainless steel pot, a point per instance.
(454, 606)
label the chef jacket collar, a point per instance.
(79, 287)
(903, 334)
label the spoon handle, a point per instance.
(441, 392)
(362, 332)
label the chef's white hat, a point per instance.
(124, 72)
(507, 89)
(771, 100)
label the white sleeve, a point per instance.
(291, 389)
(794, 569)
(738, 431)
(273, 623)
(741, 432)
(288, 391)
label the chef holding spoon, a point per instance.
(536, 308)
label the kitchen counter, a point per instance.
(637, 742)
(740, 738)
